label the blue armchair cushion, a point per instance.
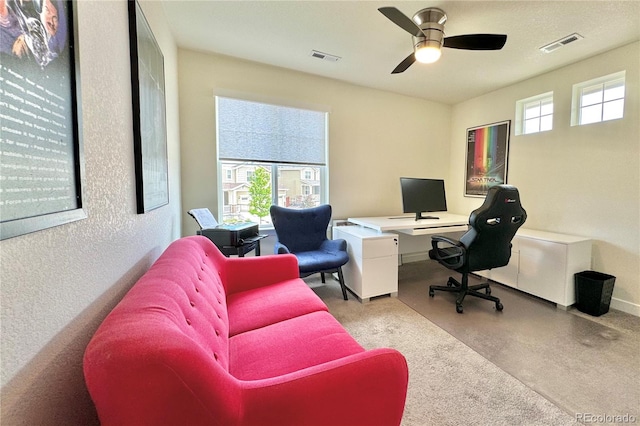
(323, 259)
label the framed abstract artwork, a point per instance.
(149, 119)
(42, 167)
(487, 158)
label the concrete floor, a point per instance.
(587, 366)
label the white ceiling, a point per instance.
(283, 33)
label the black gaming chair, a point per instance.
(486, 245)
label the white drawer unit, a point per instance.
(543, 264)
(372, 269)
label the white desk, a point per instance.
(373, 248)
(542, 263)
(447, 222)
(372, 269)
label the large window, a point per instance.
(598, 100)
(534, 114)
(269, 154)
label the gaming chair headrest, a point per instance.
(501, 206)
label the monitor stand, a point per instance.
(419, 216)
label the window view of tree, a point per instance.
(260, 193)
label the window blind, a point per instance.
(254, 131)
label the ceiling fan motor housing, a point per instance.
(427, 31)
(431, 21)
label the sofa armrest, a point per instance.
(247, 273)
(368, 388)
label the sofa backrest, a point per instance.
(146, 344)
(192, 295)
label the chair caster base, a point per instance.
(463, 289)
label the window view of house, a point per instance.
(299, 186)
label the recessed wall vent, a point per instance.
(561, 43)
(325, 56)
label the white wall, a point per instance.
(578, 180)
(374, 136)
(582, 180)
(58, 284)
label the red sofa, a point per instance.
(202, 339)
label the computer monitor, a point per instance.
(423, 195)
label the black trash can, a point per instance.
(593, 292)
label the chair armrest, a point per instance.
(451, 254)
(247, 273)
(362, 389)
(334, 245)
(280, 248)
(442, 239)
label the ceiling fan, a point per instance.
(427, 29)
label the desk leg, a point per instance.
(258, 248)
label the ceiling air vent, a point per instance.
(560, 43)
(325, 56)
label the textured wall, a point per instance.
(58, 284)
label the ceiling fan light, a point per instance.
(428, 54)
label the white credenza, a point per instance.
(372, 269)
(543, 264)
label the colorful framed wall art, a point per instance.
(487, 158)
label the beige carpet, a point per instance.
(449, 383)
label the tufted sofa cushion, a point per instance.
(289, 346)
(252, 309)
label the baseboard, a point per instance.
(413, 257)
(624, 306)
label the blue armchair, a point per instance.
(303, 233)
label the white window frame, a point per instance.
(530, 121)
(323, 169)
(600, 96)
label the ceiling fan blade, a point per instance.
(406, 63)
(476, 41)
(401, 20)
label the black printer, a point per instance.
(235, 238)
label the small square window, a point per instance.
(597, 100)
(534, 114)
